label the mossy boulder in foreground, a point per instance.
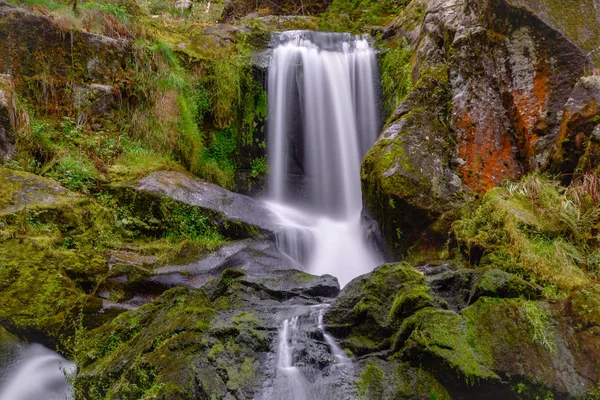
(232, 214)
(501, 342)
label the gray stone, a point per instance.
(228, 207)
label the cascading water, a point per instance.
(323, 117)
(38, 373)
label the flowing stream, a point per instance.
(38, 374)
(323, 117)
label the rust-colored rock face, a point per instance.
(508, 98)
(488, 153)
(507, 75)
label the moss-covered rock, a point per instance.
(501, 284)
(583, 306)
(520, 341)
(490, 81)
(382, 380)
(21, 190)
(408, 172)
(438, 340)
(579, 22)
(8, 117)
(175, 197)
(361, 313)
(74, 56)
(40, 301)
(145, 351)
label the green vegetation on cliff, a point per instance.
(537, 229)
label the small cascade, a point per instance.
(38, 374)
(310, 364)
(336, 351)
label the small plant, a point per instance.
(75, 173)
(540, 325)
(258, 167)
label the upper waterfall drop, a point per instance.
(323, 117)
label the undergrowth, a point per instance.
(536, 228)
(357, 16)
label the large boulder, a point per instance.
(22, 190)
(8, 117)
(579, 21)
(491, 79)
(499, 343)
(367, 311)
(214, 342)
(233, 214)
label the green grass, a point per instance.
(75, 173)
(534, 228)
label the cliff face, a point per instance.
(492, 80)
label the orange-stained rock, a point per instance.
(506, 76)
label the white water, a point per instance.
(39, 374)
(322, 119)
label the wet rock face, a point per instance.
(7, 117)
(579, 138)
(491, 80)
(215, 342)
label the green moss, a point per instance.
(525, 327)
(584, 306)
(371, 382)
(392, 380)
(355, 16)
(409, 300)
(155, 355)
(396, 68)
(439, 340)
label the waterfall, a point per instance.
(323, 117)
(38, 374)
